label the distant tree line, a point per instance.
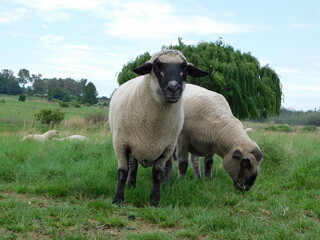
(253, 91)
(295, 117)
(64, 89)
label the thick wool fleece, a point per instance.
(142, 121)
(210, 128)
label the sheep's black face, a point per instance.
(171, 71)
(243, 168)
(246, 176)
(171, 77)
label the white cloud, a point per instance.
(12, 15)
(161, 21)
(51, 5)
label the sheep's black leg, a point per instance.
(133, 169)
(168, 170)
(208, 163)
(183, 166)
(156, 182)
(122, 179)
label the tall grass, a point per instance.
(63, 190)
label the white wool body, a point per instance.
(42, 137)
(141, 120)
(75, 138)
(210, 128)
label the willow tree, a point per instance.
(251, 90)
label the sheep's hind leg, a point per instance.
(168, 170)
(208, 163)
(195, 160)
(133, 169)
(183, 163)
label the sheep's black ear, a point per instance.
(143, 69)
(195, 72)
(257, 154)
(237, 154)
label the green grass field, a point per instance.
(63, 190)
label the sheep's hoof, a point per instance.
(154, 204)
(154, 201)
(117, 200)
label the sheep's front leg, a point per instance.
(157, 173)
(123, 169)
(195, 160)
(208, 163)
(133, 169)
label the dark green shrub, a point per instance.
(50, 117)
(310, 128)
(279, 128)
(63, 104)
(22, 97)
(75, 104)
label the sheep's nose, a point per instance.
(173, 86)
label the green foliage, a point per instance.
(90, 94)
(50, 117)
(251, 90)
(310, 128)
(127, 73)
(75, 104)
(279, 128)
(63, 104)
(24, 76)
(8, 83)
(22, 97)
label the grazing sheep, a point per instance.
(146, 117)
(210, 128)
(74, 138)
(42, 137)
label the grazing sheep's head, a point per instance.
(170, 68)
(243, 167)
(52, 133)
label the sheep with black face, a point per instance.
(146, 117)
(210, 128)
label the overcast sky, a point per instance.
(93, 39)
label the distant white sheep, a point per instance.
(42, 137)
(74, 138)
(249, 130)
